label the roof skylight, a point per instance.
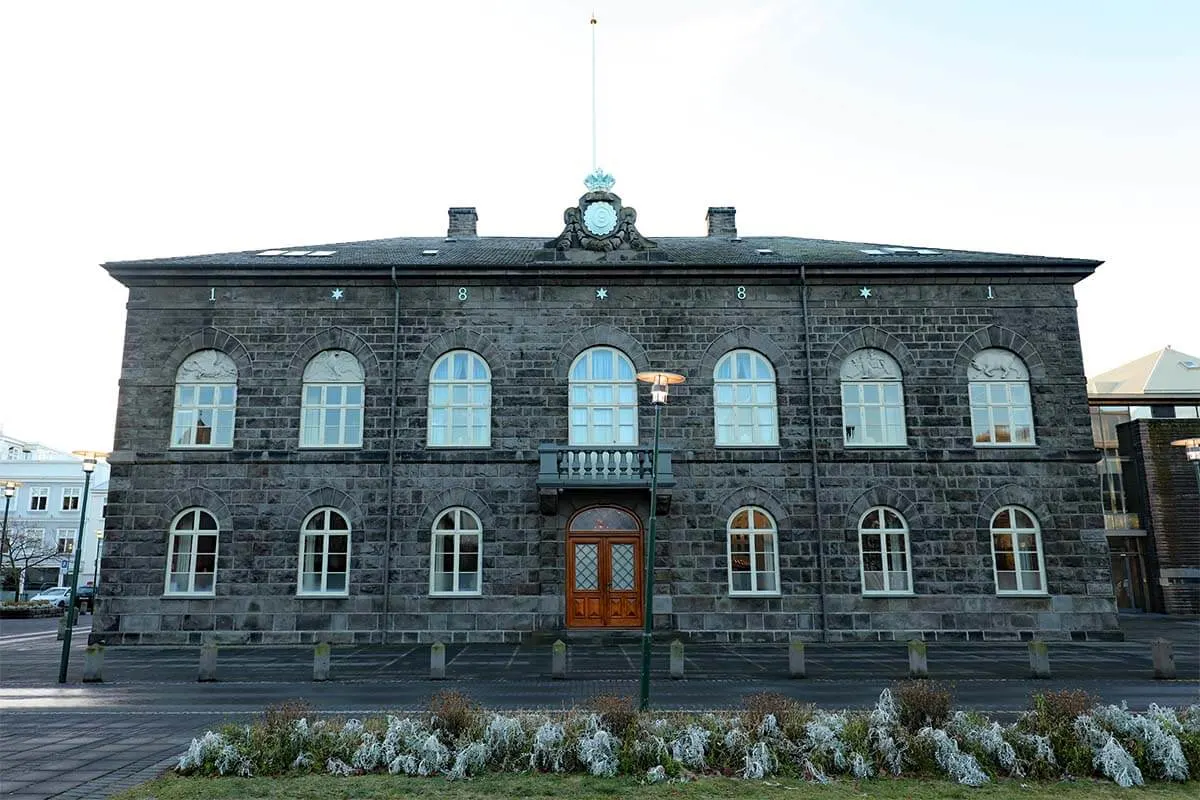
(429, 252)
(765, 251)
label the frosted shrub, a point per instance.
(989, 738)
(688, 747)
(860, 767)
(335, 766)
(1162, 746)
(403, 736)
(823, 735)
(758, 761)
(549, 748)
(201, 751)
(960, 766)
(504, 739)
(369, 753)
(597, 750)
(299, 731)
(882, 726)
(656, 774)
(303, 761)
(433, 755)
(406, 764)
(1108, 756)
(351, 731)
(469, 760)
(769, 727)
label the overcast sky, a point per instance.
(134, 130)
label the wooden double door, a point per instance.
(604, 569)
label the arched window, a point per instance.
(325, 553)
(460, 401)
(883, 546)
(753, 552)
(1017, 552)
(332, 408)
(455, 562)
(1001, 410)
(744, 400)
(192, 554)
(603, 398)
(872, 400)
(205, 400)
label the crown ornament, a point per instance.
(599, 181)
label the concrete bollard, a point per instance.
(93, 664)
(918, 659)
(62, 627)
(558, 659)
(1164, 659)
(1039, 659)
(676, 659)
(208, 662)
(321, 661)
(437, 662)
(796, 667)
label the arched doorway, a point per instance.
(604, 569)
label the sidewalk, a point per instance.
(88, 740)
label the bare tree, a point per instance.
(21, 550)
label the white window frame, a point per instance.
(993, 371)
(206, 372)
(871, 375)
(583, 388)
(456, 533)
(324, 534)
(332, 372)
(474, 398)
(883, 536)
(1014, 533)
(67, 535)
(745, 403)
(41, 493)
(194, 534)
(752, 532)
(71, 493)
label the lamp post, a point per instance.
(1192, 450)
(89, 465)
(659, 381)
(10, 489)
(96, 569)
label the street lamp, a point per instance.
(659, 381)
(10, 489)
(96, 569)
(1193, 454)
(89, 465)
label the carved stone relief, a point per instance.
(333, 366)
(995, 364)
(869, 364)
(207, 366)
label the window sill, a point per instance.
(458, 446)
(456, 594)
(1004, 446)
(1022, 594)
(310, 447)
(765, 595)
(200, 447)
(860, 446)
(885, 595)
(719, 446)
(188, 595)
(322, 595)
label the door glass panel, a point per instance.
(622, 567)
(587, 572)
(604, 519)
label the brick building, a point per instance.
(442, 438)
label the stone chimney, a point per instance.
(720, 222)
(462, 223)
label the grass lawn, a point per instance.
(323, 787)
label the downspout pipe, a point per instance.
(812, 450)
(391, 462)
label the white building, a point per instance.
(43, 513)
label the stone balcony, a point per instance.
(562, 468)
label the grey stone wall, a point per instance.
(529, 331)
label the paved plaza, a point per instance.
(88, 740)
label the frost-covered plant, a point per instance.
(688, 748)
(1108, 756)
(656, 774)
(369, 753)
(987, 738)
(335, 766)
(769, 727)
(471, 759)
(1162, 747)
(597, 752)
(883, 725)
(758, 762)
(505, 740)
(960, 766)
(433, 755)
(303, 761)
(201, 751)
(823, 736)
(351, 731)
(549, 748)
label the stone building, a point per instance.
(413, 439)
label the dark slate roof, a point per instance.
(504, 251)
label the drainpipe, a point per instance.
(391, 478)
(812, 445)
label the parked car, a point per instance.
(57, 596)
(86, 597)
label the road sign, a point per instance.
(63, 565)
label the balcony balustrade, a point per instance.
(602, 467)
